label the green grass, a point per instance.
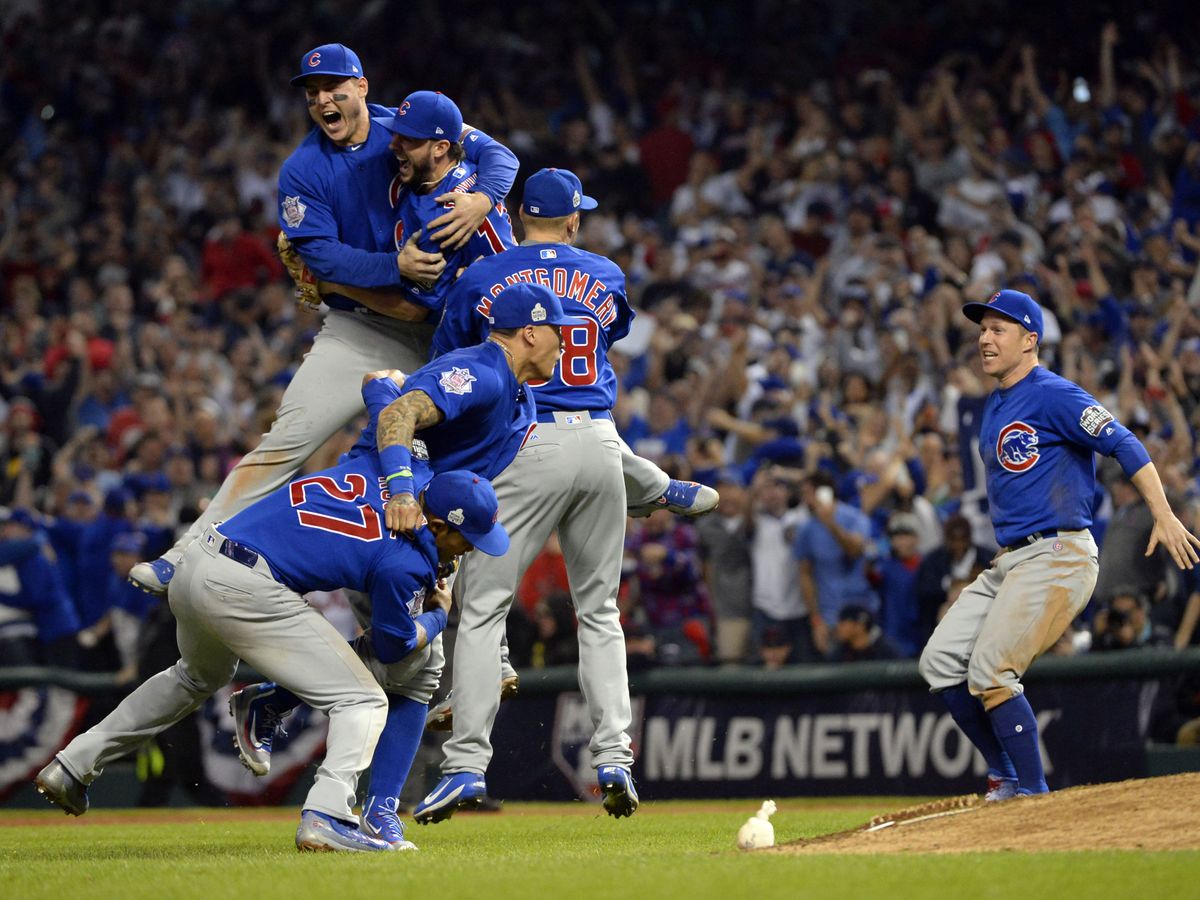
(540, 852)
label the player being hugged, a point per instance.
(337, 197)
(1038, 436)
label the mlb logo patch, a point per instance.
(293, 211)
(573, 420)
(548, 254)
(457, 381)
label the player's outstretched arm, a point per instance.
(398, 422)
(1168, 530)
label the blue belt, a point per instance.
(548, 415)
(1031, 539)
(239, 553)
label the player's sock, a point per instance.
(282, 701)
(1017, 728)
(968, 713)
(397, 747)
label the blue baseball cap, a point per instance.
(1019, 307)
(128, 542)
(329, 59)
(469, 504)
(552, 193)
(426, 116)
(525, 303)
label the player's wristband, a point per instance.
(396, 462)
(434, 622)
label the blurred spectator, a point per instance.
(956, 561)
(128, 605)
(725, 549)
(36, 587)
(1123, 563)
(895, 578)
(778, 605)
(832, 549)
(1123, 622)
(857, 638)
(667, 590)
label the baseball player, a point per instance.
(1037, 437)
(567, 477)
(336, 197)
(237, 595)
(470, 410)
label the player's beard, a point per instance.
(420, 176)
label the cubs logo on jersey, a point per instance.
(457, 380)
(1017, 447)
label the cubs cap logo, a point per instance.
(314, 60)
(455, 517)
(1017, 447)
(404, 107)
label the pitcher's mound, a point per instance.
(1142, 814)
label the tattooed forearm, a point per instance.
(404, 417)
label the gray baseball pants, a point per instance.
(567, 477)
(226, 611)
(1010, 615)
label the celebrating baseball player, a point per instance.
(470, 411)
(336, 196)
(1037, 437)
(237, 595)
(568, 477)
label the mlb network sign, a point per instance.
(822, 747)
(895, 741)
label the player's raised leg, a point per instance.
(649, 489)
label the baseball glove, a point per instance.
(307, 294)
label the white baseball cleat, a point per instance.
(684, 498)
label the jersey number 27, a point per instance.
(365, 527)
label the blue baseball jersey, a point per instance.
(327, 530)
(415, 211)
(592, 290)
(1037, 439)
(487, 415)
(337, 204)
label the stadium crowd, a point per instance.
(799, 218)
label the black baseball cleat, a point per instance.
(62, 788)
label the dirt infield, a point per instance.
(1142, 814)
